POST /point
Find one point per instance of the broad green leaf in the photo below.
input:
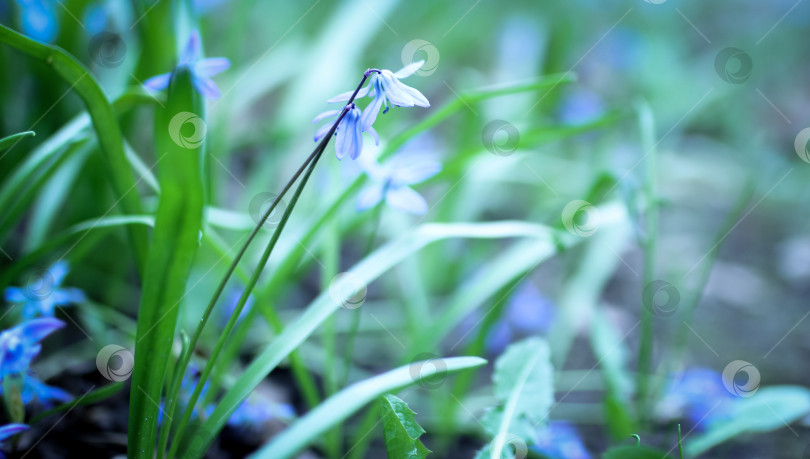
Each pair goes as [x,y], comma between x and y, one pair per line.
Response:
[369,269]
[635,452]
[400,429]
[770,408]
[174,246]
[6,142]
[348,401]
[104,121]
[524,384]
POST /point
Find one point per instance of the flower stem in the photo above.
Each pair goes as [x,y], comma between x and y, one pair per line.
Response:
[309,165]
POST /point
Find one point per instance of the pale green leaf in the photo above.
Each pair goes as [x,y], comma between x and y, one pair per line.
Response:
[401,431]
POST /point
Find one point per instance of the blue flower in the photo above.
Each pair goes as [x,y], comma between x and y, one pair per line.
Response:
[255,411]
[385,89]
[40,297]
[528,312]
[201,69]
[8,431]
[390,182]
[18,347]
[39,19]
[560,440]
[698,395]
[349,134]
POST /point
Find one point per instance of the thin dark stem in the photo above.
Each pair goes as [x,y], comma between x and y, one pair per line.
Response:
[310,163]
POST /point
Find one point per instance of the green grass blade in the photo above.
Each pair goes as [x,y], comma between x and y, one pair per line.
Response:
[6,142]
[337,408]
[104,121]
[174,246]
[95,396]
[379,262]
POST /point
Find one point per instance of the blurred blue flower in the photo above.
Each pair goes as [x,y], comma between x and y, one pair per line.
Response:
[698,395]
[349,133]
[385,89]
[391,183]
[202,69]
[581,106]
[41,296]
[18,347]
[95,18]
[528,312]
[560,440]
[39,19]
[8,431]
[232,300]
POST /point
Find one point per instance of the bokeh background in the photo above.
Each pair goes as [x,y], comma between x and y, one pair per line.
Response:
[704,103]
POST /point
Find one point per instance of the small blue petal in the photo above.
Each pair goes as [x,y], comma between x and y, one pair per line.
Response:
[9,430]
[14,295]
[159,82]
[370,196]
[206,87]
[191,52]
[406,199]
[211,66]
[58,271]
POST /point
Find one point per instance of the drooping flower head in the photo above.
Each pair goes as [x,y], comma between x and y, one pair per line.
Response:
[696,395]
[41,296]
[391,182]
[385,89]
[349,133]
[201,69]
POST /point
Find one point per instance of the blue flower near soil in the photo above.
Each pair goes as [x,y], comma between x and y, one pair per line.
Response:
[8,431]
[18,348]
[528,313]
[391,182]
[696,395]
[201,69]
[39,19]
[41,296]
[560,440]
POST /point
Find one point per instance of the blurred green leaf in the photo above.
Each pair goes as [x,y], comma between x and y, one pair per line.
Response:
[341,405]
[769,409]
[524,384]
[634,452]
[6,142]
[401,431]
